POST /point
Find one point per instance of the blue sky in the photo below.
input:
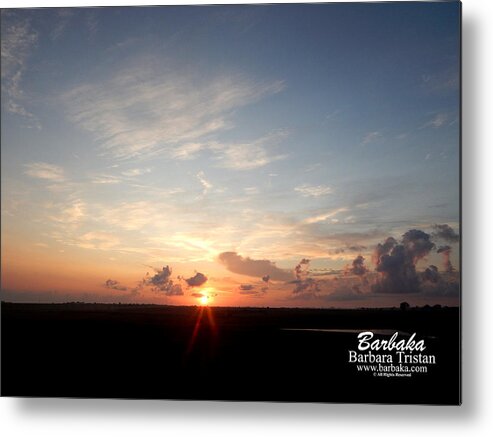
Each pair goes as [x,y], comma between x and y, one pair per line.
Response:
[154,136]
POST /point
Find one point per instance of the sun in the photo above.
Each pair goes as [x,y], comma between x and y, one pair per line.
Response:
[206,296]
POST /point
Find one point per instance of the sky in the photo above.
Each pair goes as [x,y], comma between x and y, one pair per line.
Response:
[281,155]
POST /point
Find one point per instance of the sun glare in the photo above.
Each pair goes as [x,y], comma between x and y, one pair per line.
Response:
[204,300]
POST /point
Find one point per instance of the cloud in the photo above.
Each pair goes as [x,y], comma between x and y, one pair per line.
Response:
[431,274]
[397,262]
[162,282]
[446,251]
[313,190]
[64,16]
[303,283]
[250,267]
[437,121]
[395,273]
[98,240]
[133,216]
[106,180]
[435,283]
[146,109]
[17,42]
[442,82]
[43,170]
[188,150]
[251,191]
[301,269]
[204,182]
[383,249]
[91,22]
[242,156]
[71,213]
[136,172]
[308,285]
[324,216]
[348,248]
[358,267]
[115,285]
[247,287]
[197,280]
[371,137]
[346,293]
[249,155]
[446,233]
[251,291]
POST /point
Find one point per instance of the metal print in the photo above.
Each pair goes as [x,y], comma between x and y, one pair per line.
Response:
[239,202]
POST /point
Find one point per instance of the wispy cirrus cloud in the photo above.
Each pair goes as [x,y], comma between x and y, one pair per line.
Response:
[146,110]
[43,170]
[131,215]
[438,120]
[371,137]
[106,180]
[324,216]
[133,172]
[245,155]
[307,190]
[18,39]
[441,82]
[188,150]
[64,15]
[98,240]
[204,182]
[250,155]
[70,213]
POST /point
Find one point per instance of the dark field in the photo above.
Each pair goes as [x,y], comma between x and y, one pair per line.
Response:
[138,351]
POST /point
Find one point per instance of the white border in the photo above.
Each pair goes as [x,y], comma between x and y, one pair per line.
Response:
[59,417]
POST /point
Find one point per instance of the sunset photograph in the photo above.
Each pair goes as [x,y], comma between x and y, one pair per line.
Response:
[215,202]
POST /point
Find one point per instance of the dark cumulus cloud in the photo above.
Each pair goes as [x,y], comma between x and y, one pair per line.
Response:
[112,284]
[358,267]
[417,243]
[115,285]
[265,280]
[446,233]
[303,283]
[251,267]
[247,287]
[435,283]
[162,282]
[431,274]
[301,269]
[252,291]
[383,249]
[397,262]
[197,280]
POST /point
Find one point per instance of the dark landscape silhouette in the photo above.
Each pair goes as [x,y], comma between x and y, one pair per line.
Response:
[218,353]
